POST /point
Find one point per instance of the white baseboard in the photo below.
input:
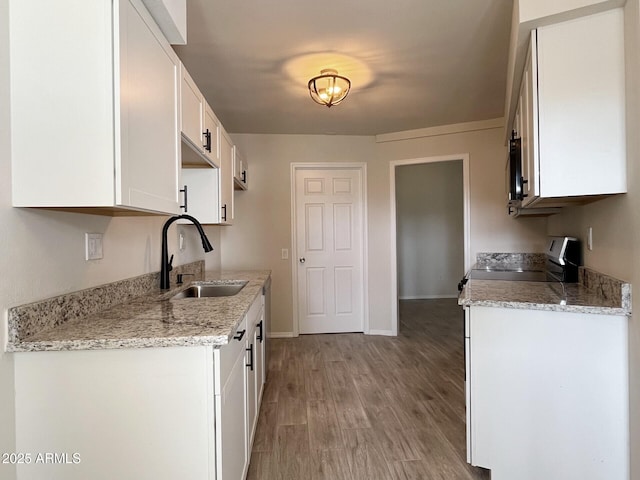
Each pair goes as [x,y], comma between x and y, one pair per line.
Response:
[427,297]
[280,335]
[386,333]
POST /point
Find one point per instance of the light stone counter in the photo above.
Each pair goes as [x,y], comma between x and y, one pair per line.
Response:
[152,319]
[551,296]
[595,293]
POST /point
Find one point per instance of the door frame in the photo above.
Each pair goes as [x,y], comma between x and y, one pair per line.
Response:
[362,168]
[393,220]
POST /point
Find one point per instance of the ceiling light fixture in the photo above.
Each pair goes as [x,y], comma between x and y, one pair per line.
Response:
[329,88]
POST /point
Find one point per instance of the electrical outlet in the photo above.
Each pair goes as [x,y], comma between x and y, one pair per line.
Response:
[285,253]
[93,246]
[590,238]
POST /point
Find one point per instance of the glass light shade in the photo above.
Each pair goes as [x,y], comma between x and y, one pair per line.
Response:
[329,88]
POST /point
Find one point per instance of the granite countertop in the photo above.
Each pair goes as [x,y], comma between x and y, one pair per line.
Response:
[594,293]
[149,320]
[551,296]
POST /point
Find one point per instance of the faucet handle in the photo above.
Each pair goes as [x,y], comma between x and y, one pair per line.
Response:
[170,266]
[180,275]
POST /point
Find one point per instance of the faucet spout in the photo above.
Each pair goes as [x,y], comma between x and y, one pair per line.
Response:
[165,263]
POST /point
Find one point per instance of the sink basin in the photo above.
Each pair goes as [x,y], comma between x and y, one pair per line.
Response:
[211,290]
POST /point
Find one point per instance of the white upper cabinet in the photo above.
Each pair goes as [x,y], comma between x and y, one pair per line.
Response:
[226,179]
[105,84]
[210,190]
[171,17]
[211,133]
[572,111]
[203,199]
[191,111]
[198,124]
[528,127]
[240,170]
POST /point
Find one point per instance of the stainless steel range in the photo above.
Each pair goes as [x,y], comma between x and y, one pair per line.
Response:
[561,265]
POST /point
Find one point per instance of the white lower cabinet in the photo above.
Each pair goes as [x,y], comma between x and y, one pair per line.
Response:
[231,449]
[238,387]
[547,394]
[252,412]
[261,367]
[144,414]
[255,367]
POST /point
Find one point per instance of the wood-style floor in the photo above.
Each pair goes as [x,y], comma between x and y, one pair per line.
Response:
[356,407]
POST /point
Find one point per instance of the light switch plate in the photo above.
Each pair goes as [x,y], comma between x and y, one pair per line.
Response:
[93,246]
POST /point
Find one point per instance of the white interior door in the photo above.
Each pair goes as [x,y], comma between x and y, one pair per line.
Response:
[329,248]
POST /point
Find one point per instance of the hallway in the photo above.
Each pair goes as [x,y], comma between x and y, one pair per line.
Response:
[356,407]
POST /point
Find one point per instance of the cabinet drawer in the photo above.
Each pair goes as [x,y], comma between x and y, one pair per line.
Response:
[226,356]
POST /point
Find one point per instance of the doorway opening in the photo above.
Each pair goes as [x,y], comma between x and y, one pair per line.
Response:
[429,228]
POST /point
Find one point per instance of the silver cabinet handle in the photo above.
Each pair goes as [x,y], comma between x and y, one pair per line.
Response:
[302,260]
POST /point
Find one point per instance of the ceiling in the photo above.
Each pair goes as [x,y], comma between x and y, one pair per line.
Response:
[412,63]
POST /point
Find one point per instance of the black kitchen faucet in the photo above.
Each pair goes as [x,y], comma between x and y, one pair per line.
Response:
[166,262]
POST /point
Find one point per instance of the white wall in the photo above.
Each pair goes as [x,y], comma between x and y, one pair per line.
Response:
[430,229]
[616,224]
[7,422]
[491,230]
[263,213]
[42,252]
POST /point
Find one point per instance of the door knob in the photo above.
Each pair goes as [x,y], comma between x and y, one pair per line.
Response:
[302,260]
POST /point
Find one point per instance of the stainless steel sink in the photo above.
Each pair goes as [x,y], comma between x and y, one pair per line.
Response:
[211,290]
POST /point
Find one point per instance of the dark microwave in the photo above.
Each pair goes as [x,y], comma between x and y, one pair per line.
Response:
[516,193]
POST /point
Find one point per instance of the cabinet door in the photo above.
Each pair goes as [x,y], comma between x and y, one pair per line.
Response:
[191,111]
[203,194]
[211,136]
[252,403]
[147,86]
[260,358]
[131,413]
[240,170]
[255,358]
[515,131]
[62,121]
[467,385]
[529,125]
[231,426]
[581,85]
[226,179]
[549,394]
